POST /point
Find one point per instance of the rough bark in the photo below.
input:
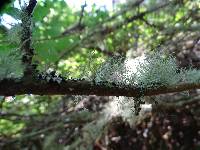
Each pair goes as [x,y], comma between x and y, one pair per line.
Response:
[9,87]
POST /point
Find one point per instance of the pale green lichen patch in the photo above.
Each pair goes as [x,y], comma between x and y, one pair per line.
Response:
[111,71]
[157,70]
[191,76]
[149,71]
[14,34]
[10,65]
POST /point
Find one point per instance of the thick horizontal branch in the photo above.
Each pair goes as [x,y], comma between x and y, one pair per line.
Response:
[83,87]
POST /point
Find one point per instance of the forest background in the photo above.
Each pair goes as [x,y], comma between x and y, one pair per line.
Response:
[80,78]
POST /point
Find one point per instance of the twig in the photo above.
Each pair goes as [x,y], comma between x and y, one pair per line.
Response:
[78,26]
[82,12]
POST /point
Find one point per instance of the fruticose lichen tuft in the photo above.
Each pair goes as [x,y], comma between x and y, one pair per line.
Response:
[14,34]
[10,65]
[146,71]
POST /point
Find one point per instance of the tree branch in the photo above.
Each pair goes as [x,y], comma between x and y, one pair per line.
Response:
[9,87]
[78,26]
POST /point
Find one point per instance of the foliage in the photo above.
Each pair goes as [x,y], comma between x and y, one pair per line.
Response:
[103,47]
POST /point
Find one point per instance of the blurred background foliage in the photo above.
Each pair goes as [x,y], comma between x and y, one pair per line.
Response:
[76,42]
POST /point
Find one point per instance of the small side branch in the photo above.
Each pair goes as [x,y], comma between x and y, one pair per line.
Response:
[78,26]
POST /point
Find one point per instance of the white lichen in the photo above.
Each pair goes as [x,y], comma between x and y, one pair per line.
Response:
[120,106]
[146,71]
[111,71]
[157,70]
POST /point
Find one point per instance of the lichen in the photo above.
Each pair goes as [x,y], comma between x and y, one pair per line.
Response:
[157,70]
[191,75]
[10,65]
[151,71]
[14,34]
[120,106]
[111,71]
[146,72]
